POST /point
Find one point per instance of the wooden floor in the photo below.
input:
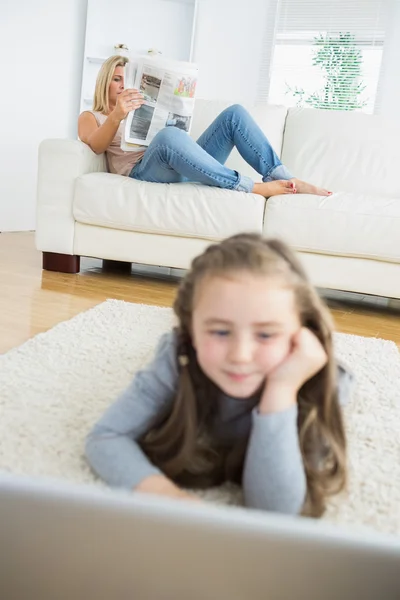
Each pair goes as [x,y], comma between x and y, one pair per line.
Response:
[32,300]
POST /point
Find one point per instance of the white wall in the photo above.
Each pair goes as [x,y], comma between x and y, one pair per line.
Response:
[389,83]
[42,45]
[228,48]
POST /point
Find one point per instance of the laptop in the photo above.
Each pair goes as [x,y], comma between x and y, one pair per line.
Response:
[66,542]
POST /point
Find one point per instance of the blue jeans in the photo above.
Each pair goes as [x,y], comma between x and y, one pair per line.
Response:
[174,157]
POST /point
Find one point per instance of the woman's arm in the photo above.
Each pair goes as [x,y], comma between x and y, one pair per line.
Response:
[97,138]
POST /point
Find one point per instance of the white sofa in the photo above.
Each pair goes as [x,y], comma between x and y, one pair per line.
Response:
[348,241]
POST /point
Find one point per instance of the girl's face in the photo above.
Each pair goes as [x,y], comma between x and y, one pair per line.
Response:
[242,328]
[116,85]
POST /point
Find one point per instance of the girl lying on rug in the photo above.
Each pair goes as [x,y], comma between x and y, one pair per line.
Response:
[245,388]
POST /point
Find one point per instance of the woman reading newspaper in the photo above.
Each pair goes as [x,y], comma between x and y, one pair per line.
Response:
[173,156]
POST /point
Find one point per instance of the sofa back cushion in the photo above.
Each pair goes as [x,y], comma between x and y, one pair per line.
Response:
[271,118]
[343,151]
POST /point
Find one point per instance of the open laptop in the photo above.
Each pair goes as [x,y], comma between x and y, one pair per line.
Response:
[65,542]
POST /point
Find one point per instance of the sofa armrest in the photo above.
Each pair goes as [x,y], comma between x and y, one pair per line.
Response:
[60,163]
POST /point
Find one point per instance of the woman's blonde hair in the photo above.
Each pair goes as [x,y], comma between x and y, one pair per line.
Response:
[178,442]
[101,99]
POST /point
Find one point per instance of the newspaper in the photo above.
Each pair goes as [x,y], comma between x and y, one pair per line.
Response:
[169,89]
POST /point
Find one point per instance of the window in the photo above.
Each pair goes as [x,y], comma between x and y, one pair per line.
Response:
[325,54]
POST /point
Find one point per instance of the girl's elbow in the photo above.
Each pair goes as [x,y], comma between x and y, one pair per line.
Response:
[285,504]
[293,509]
[290,509]
[90,442]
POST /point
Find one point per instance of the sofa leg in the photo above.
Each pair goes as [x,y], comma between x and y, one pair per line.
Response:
[116,266]
[63,263]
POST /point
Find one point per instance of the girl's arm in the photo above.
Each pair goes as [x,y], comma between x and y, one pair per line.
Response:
[274,478]
[112,448]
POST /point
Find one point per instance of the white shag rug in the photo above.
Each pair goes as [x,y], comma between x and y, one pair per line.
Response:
[56,385]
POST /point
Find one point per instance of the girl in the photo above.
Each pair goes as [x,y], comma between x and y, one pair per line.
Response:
[173,156]
[245,388]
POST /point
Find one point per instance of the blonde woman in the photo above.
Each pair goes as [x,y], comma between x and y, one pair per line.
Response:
[173,156]
[246,388]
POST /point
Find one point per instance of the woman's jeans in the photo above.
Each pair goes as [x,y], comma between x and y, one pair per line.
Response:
[174,157]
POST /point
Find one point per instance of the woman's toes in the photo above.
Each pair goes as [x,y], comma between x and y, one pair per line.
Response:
[289,186]
[287,189]
[303,187]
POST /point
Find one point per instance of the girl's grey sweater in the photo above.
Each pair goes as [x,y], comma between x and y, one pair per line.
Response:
[273,476]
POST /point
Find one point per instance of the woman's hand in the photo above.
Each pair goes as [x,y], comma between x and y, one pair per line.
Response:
[305,359]
[127,100]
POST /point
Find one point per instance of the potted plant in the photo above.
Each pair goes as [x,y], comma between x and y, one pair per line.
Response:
[121,50]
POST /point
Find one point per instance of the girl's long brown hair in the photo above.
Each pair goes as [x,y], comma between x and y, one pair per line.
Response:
[179,444]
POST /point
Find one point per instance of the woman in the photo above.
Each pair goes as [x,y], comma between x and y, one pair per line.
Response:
[173,156]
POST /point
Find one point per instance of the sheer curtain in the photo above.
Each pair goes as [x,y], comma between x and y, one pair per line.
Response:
[325,54]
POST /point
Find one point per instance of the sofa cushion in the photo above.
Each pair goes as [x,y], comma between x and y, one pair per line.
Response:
[343,151]
[270,118]
[343,224]
[179,209]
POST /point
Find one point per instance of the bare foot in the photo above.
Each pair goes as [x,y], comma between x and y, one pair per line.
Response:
[302,187]
[274,188]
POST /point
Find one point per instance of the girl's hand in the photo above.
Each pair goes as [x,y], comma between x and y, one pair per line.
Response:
[306,358]
[127,100]
[188,496]
[162,486]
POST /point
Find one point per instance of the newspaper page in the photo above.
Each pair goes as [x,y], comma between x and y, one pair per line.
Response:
[169,89]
